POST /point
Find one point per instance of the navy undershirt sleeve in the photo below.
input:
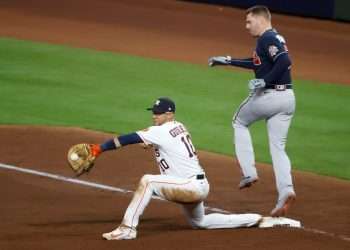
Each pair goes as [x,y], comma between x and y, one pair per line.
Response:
[108,145]
[123,139]
[129,139]
[280,65]
[246,63]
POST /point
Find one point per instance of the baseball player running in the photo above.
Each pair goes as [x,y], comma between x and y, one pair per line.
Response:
[271,98]
[182,180]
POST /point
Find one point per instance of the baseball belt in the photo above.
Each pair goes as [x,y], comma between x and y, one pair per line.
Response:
[279,87]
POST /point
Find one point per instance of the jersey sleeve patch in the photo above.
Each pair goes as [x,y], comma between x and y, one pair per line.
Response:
[273,50]
[274,45]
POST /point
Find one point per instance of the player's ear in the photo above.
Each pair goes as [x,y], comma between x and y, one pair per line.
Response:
[170,115]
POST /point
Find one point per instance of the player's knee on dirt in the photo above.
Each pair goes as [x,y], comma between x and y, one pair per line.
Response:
[197,224]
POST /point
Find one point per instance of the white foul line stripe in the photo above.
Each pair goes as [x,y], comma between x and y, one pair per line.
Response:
[84,183]
[120,190]
[63,178]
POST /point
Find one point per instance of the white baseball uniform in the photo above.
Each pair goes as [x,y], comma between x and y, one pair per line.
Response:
[182,180]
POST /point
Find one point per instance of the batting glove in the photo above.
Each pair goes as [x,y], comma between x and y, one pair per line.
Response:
[95,149]
[219,60]
[256,84]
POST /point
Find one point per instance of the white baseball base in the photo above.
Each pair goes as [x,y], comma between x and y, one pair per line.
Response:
[268,222]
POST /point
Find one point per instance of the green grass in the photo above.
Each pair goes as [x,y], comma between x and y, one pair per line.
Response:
[56,85]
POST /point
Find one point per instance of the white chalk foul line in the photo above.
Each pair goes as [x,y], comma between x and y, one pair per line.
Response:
[120,190]
[84,183]
[66,179]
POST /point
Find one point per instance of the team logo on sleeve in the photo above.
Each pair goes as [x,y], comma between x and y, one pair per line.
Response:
[273,50]
[281,38]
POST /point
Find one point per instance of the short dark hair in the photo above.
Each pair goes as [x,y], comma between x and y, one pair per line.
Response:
[260,10]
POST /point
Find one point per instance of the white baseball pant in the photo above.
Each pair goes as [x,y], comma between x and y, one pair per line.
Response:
[188,192]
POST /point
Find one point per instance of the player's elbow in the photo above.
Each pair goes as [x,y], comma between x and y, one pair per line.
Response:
[283,61]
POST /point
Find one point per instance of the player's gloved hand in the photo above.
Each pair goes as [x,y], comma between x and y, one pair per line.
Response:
[81,157]
[219,60]
[256,84]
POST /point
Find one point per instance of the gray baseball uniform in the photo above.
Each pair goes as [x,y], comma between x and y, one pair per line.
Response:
[271,99]
[274,103]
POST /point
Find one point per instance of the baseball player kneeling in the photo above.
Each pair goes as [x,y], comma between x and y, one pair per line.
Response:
[182,179]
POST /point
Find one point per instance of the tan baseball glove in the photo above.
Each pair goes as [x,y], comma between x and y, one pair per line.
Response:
[81,157]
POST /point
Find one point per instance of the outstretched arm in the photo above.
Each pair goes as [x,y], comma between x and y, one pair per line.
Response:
[119,141]
[246,63]
[81,157]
